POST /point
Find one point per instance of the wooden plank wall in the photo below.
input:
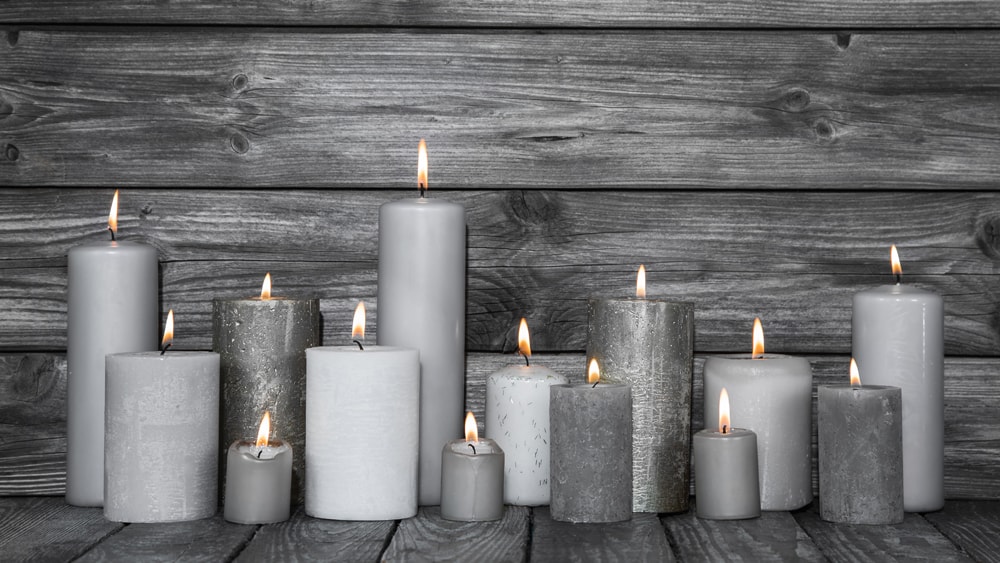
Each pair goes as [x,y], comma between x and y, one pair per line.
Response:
[758,157]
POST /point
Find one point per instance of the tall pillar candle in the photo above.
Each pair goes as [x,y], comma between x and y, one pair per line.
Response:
[258,479]
[112,307]
[517,418]
[649,344]
[898,340]
[472,477]
[726,481]
[772,396]
[262,347]
[591,451]
[421,304]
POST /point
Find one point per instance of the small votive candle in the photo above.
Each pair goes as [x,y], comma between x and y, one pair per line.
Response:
[726,485]
[258,479]
[472,477]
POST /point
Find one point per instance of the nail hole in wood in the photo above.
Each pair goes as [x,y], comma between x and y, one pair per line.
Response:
[239,143]
[11,153]
[240,81]
[12,37]
[843,40]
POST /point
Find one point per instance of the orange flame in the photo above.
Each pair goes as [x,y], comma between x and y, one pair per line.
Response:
[113,216]
[855,375]
[422,165]
[471,431]
[640,282]
[758,339]
[265,290]
[725,426]
[593,371]
[897,268]
[523,339]
[168,330]
[265,430]
[358,326]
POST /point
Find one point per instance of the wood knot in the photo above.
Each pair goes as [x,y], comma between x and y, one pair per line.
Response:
[12,37]
[824,129]
[239,143]
[843,40]
[988,236]
[36,378]
[11,153]
[532,208]
[240,81]
[796,99]
[6,109]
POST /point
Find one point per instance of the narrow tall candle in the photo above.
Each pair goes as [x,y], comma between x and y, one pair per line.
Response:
[258,479]
[472,477]
[725,466]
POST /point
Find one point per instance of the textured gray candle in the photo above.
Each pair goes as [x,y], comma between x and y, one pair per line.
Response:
[258,482]
[262,345]
[591,432]
[648,344]
[860,454]
[725,475]
[472,482]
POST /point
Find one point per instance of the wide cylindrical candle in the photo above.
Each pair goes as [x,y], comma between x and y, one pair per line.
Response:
[725,474]
[648,344]
[112,307]
[472,480]
[258,482]
[362,422]
[162,436]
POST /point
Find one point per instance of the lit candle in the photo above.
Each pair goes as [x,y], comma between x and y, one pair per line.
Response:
[421,304]
[262,347]
[259,479]
[362,413]
[162,435]
[649,344]
[898,340]
[112,306]
[472,477]
[860,453]
[591,450]
[725,466]
[772,396]
[517,418]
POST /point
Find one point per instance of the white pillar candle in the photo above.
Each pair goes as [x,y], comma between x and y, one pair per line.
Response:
[111,307]
[517,419]
[898,340]
[772,396]
[258,479]
[421,304]
[472,477]
[726,485]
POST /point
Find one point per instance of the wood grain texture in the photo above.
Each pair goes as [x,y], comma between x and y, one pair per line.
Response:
[640,539]
[32,424]
[521,109]
[974,526]
[784,256]
[305,539]
[775,536]
[47,529]
[428,537]
[209,540]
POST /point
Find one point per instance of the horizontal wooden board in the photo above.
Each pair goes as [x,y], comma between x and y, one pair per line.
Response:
[639,539]
[49,530]
[972,525]
[199,541]
[775,536]
[306,539]
[522,109]
[428,537]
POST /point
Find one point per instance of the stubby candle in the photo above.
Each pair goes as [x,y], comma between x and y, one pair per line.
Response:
[772,396]
[860,453]
[112,307]
[421,304]
[472,477]
[258,479]
[591,450]
[161,440]
[649,344]
[517,418]
[262,347]
[362,430]
[898,340]
[725,467]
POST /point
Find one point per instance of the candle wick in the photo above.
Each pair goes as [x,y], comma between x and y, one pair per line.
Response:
[594,386]
[164,350]
[359,344]
[899,278]
[422,190]
[260,452]
[527,362]
[112,231]
[473,448]
[724,428]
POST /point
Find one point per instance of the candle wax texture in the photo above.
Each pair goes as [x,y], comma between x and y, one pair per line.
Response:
[860,454]
[472,483]
[771,396]
[517,419]
[898,340]
[362,422]
[112,307]
[421,304]
[258,487]
[591,452]
[726,483]
[262,348]
[161,444]
[649,344]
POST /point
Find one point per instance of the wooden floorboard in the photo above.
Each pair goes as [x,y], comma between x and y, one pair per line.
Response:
[974,526]
[46,529]
[428,537]
[640,539]
[306,539]
[209,541]
[775,536]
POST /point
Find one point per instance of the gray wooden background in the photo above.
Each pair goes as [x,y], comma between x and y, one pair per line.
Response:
[758,157]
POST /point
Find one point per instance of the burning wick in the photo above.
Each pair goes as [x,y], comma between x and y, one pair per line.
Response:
[168,333]
[725,429]
[260,452]
[422,167]
[113,216]
[593,373]
[473,449]
[897,269]
[358,325]
[358,342]
[524,341]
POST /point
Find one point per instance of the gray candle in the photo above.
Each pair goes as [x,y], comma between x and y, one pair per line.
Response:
[860,453]
[725,468]
[591,454]
[258,482]
[262,345]
[472,477]
[648,344]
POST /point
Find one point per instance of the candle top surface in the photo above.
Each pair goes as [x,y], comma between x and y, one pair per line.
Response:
[110,246]
[600,384]
[862,387]
[484,446]
[749,357]
[713,433]
[248,448]
[901,290]
[528,373]
[353,349]
[264,302]
[175,354]
[426,204]
[647,299]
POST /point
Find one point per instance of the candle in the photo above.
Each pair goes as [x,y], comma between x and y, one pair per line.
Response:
[772,396]
[421,304]
[361,430]
[162,435]
[258,479]
[112,306]
[591,450]
[262,347]
[898,339]
[472,477]
[648,344]
[725,466]
[517,418]
[860,453]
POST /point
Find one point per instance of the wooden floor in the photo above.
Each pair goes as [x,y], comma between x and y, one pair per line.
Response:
[46,529]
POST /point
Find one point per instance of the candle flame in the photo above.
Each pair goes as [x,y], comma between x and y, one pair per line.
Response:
[113,215]
[358,326]
[265,289]
[422,165]
[725,426]
[265,429]
[523,339]
[471,431]
[640,282]
[897,268]
[855,375]
[758,339]
[593,372]
[168,330]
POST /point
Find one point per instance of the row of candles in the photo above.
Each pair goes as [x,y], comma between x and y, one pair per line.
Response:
[144,427]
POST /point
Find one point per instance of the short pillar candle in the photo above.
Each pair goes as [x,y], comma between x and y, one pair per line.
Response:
[472,477]
[258,479]
[725,466]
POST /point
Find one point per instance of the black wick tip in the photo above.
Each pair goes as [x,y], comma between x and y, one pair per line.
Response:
[112,231]
[899,278]
[358,342]
[724,427]
[473,449]
[527,362]
[595,384]
[164,350]
[260,452]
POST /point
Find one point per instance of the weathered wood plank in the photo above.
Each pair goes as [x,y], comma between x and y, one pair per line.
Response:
[639,539]
[327,108]
[775,536]
[47,529]
[428,537]
[972,525]
[209,540]
[302,538]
